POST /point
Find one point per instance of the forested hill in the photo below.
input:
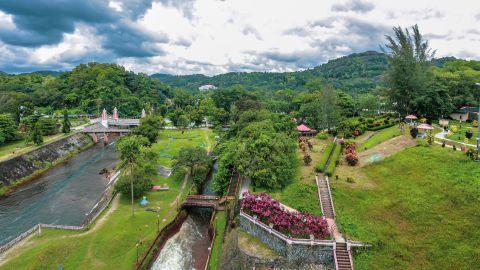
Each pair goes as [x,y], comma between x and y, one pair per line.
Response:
[353,73]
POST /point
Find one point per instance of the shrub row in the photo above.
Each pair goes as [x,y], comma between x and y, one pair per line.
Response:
[333,160]
[323,160]
[381,127]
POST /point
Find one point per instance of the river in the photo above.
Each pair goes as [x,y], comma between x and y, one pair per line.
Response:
[62,195]
[189,248]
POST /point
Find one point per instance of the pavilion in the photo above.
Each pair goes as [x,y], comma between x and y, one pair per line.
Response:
[423,129]
[410,119]
[305,130]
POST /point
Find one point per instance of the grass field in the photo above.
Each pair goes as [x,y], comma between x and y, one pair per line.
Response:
[113,244]
[170,142]
[419,209]
[220,224]
[301,193]
[20,147]
[379,137]
[459,136]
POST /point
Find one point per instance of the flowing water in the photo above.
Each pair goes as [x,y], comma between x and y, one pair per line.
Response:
[62,195]
[189,248]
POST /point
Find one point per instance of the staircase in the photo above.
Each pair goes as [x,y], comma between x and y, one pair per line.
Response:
[325,197]
[342,257]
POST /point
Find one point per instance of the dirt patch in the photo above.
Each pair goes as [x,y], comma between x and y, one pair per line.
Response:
[384,150]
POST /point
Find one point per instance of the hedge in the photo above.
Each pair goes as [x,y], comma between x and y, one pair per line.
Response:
[333,160]
[381,127]
[323,160]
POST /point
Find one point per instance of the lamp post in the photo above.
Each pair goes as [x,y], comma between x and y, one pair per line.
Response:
[478,125]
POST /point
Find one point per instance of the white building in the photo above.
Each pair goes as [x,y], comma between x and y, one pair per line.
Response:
[207,87]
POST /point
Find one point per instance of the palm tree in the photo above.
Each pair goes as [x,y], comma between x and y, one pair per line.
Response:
[130,151]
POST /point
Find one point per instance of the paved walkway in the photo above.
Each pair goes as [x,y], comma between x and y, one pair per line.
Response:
[442,136]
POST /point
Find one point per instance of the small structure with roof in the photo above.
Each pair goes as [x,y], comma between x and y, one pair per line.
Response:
[305,130]
[423,130]
[411,119]
[465,113]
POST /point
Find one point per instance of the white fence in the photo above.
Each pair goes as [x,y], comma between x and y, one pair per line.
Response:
[98,208]
[288,240]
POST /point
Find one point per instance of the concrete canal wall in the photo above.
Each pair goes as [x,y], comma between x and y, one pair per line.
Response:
[22,166]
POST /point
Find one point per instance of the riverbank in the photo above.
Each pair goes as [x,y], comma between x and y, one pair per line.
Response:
[25,168]
[113,245]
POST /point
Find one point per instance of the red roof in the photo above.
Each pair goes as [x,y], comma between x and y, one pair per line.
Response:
[303,128]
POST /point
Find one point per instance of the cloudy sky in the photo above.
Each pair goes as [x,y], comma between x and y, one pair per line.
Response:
[212,37]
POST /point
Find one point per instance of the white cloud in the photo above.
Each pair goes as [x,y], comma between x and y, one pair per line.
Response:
[211,36]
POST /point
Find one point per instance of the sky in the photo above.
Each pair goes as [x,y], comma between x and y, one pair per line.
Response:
[212,37]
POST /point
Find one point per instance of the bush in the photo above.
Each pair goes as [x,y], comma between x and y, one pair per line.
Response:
[351,154]
[295,224]
[414,132]
[322,136]
[380,127]
[468,134]
[333,160]
[307,159]
[472,153]
[323,160]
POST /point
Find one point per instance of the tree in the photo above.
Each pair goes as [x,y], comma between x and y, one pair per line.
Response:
[409,71]
[35,134]
[7,128]
[140,180]
[66,123]
[48,126]
[130,148]
[149,127]
[190,158]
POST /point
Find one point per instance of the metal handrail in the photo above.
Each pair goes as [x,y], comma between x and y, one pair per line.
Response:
[330,195]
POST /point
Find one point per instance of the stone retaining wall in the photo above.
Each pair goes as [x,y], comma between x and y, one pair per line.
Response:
[24,165]
[322,254]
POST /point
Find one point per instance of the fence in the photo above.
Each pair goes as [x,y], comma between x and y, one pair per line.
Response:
[101,204]
[294,249]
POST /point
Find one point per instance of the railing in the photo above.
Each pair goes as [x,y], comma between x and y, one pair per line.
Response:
[319,194]
[288,240]
[101,204]
[349,250]
[335,254]
[330,195]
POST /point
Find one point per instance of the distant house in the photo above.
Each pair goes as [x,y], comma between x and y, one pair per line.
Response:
[207,87]
[465,113]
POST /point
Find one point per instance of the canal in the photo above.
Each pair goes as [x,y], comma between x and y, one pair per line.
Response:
[189,248]
[62,195]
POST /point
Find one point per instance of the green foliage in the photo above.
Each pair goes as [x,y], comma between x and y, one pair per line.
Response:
[409,68]
[149,127]
[66,125]
[35,134]
[320,167]
[333,160]
[8,128]
[195,160]
[48,125]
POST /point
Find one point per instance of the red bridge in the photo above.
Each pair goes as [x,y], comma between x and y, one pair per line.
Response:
[201,201]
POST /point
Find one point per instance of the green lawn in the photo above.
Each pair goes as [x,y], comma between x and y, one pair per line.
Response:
[170,142]
[20,147]
[112,246]
[379,137]
[220,224]
[459,136]
[420,211]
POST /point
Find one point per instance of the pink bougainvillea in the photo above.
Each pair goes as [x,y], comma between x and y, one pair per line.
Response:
[351,154]
[295,224]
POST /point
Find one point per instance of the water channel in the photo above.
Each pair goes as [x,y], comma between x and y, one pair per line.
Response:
[62,195]
[189,248]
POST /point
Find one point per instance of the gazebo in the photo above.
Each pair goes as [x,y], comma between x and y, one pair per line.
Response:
[423,129]
[304,130]
[410,119]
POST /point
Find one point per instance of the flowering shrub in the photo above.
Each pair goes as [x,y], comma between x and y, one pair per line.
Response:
[351,154]
[295,224]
